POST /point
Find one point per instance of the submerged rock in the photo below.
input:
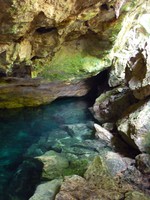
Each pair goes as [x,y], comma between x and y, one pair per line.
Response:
[80,131]
[24,181]
[53,165]
[47,190]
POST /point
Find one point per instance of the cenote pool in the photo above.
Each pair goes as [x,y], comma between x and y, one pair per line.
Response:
[30,132]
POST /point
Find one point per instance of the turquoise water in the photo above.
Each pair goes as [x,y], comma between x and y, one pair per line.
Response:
[19,130]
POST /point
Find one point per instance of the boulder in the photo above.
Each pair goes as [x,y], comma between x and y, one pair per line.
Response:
[106,105]
[137,73]
[53,165]
[98,174]
[135,126]
[47,190]
[143,163]
[96,184]
[103,134]
[73,188]
[115,163]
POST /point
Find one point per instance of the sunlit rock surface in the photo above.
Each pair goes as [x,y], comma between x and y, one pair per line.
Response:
[131,53]
[59,39]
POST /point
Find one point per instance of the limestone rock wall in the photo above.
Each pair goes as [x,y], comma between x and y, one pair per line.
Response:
[131,53]
[58,39]
[127,101]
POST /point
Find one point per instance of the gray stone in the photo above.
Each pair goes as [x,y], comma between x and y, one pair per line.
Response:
[115,163]
[47,190]
[143,163]
[54,165]
[135,127]
[102,134]
[106,105]
[98,174]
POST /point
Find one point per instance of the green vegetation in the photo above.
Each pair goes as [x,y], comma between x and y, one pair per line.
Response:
[69,65]
[77,166]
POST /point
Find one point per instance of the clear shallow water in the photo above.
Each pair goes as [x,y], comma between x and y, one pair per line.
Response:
[20,128]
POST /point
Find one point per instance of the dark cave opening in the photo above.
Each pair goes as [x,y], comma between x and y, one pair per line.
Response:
[43,30]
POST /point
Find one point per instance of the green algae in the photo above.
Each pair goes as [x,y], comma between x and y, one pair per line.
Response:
[77,166]
[68,66]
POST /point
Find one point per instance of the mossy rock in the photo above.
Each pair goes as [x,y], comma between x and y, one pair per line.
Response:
[76,166]
[68,64]
[98,174]
[57,165]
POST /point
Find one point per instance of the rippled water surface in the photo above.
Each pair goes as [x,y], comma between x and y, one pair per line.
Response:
[21,128]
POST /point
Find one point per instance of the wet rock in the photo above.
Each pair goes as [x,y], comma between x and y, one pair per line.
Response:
[47,190]
[143,163]
[50,141]
[135,127]
[99,145]
[53,165]
[80,131]
[106,105]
